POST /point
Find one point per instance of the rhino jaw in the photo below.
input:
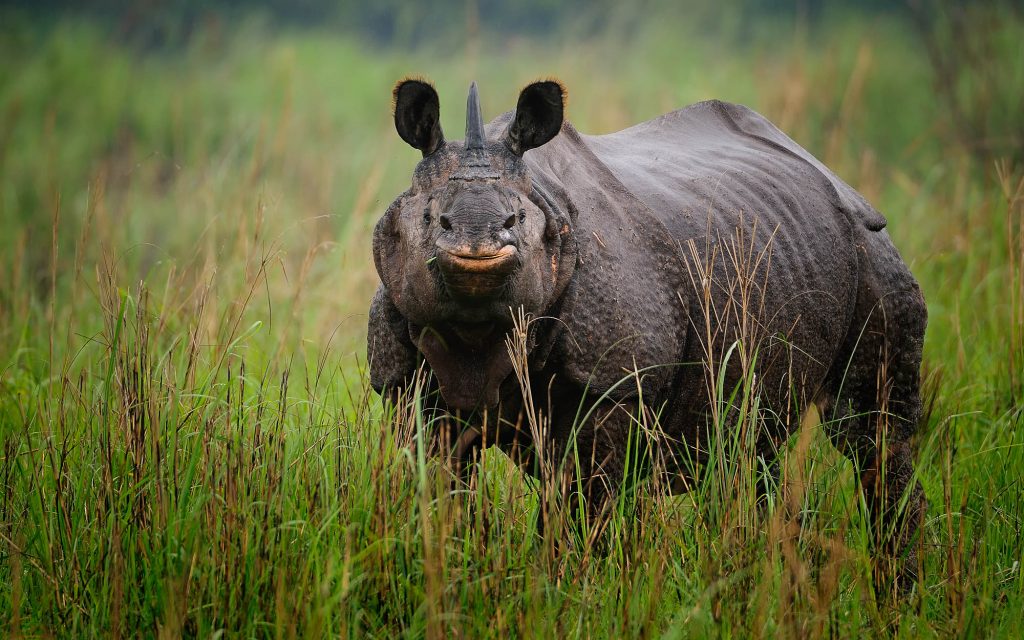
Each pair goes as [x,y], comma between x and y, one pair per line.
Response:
[477,275]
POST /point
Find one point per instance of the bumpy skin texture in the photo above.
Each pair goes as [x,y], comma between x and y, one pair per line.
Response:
[655,249]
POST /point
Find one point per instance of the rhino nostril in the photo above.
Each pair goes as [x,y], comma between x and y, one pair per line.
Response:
[510,221]
[446,224]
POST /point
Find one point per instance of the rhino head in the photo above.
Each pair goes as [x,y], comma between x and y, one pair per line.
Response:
[475,238]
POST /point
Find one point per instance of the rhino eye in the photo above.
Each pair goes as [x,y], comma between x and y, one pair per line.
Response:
[522,215]
[426,215]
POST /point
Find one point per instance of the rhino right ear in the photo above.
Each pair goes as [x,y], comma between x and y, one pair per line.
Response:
[538,117]
[417,115]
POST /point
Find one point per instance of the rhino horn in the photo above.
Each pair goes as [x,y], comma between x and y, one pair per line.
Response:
[474,121]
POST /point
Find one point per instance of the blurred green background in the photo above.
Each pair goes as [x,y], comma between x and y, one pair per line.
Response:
[172,126]
[187,194]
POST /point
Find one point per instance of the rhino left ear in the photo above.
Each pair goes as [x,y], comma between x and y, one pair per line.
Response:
[538,117]
[417,115]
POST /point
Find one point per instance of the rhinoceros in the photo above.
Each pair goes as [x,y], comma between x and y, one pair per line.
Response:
[657,253]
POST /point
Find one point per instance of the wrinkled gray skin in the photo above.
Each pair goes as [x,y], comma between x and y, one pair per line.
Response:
[661,244]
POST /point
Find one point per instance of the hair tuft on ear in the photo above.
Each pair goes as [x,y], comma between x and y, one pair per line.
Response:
[561,88]
[398,85]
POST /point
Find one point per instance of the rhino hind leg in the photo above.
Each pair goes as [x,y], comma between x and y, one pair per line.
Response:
[870,409]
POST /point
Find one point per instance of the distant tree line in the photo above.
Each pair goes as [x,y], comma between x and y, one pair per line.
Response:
[169,23]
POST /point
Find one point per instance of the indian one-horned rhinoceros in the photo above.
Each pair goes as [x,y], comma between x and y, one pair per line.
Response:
[672,249]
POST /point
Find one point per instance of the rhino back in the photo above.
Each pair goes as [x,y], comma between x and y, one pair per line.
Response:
[708,148]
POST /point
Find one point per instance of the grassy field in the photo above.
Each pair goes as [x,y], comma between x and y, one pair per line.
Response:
[188,444]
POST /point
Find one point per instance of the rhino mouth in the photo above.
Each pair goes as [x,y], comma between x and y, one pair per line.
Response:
[477,275]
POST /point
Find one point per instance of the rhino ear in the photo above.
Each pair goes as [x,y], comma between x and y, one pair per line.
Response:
[538,117]
[417,115]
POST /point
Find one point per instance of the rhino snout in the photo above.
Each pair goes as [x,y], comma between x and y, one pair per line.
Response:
[477,274]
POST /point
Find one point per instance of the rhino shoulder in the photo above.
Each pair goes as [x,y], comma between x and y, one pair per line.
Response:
[618,323]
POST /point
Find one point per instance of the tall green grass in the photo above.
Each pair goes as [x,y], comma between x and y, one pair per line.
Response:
[187,439]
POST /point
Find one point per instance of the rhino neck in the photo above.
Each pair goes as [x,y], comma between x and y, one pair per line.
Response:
[559,237]
[469,361]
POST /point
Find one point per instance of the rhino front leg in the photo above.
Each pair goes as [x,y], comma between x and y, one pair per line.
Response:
[462,441]
[391,354]
[592,462]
